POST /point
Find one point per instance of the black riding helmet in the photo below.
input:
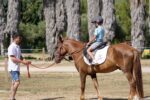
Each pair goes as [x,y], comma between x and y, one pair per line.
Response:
[98,20]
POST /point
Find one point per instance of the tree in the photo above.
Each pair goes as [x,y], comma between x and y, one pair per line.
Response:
[54,13]
[94,9]
[73,19]
[12,17]
[123,21]
[32,24]
[2,26]
[147,23]
[33,34]
[109,23]
[31,11]
[137,20]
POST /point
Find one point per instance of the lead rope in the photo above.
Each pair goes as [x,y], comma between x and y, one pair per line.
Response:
[28,71]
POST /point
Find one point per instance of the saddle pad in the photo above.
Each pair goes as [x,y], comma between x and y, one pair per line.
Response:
[100,56]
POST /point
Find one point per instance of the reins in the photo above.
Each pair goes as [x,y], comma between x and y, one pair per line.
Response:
[74,52]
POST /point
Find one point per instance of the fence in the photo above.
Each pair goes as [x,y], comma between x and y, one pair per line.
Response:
[38,54]
[34,54]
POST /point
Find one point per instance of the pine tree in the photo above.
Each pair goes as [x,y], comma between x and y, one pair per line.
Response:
[54,13]
[137,20]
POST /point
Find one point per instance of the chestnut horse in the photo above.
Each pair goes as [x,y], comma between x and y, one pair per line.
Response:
[120,56]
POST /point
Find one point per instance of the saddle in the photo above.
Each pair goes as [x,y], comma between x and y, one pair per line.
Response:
[101,46]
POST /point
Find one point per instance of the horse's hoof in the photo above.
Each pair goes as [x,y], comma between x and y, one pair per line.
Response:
[100,98]
[81,98]
[136,98]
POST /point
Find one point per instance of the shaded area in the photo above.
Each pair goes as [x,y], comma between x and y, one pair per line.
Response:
[56,98]
[108,99]
[145,98]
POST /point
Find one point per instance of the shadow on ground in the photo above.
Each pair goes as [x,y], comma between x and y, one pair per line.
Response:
[108,99]
[59,98]
[145,98]
[56,98]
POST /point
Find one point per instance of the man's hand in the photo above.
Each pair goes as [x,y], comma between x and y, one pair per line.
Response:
[26,62]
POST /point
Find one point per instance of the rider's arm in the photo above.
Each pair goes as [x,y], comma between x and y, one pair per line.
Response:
[92,40]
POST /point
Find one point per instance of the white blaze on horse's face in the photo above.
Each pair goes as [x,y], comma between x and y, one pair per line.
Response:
[60,53]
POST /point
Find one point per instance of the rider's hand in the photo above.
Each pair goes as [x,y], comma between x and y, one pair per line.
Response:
[88,44]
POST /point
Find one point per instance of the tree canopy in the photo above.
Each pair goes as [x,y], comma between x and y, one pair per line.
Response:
[32,22]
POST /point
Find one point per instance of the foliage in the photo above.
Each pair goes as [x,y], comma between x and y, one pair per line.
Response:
[83,6]
[32,25]
[31,11]
[33,34]
[123,28]
[5,7]
[147,28]
[146,56]
[84,21]
[84,27]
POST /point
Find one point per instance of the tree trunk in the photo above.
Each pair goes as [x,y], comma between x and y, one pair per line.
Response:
[73,19]
[12,16]
[2,22]
[94,9]
[108,14]
[2,26]
[137,18]
[54,12]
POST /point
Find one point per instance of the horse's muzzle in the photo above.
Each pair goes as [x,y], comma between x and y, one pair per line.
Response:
[57,60]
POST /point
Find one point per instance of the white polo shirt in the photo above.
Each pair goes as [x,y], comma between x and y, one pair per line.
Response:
[14,50]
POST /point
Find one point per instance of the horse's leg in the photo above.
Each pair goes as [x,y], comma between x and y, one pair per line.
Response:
[132,85]
[83,81]
[94,78]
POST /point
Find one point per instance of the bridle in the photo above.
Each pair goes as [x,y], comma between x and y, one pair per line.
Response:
[70,54]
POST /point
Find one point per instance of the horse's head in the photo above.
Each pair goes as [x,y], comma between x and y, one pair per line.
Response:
[60,51]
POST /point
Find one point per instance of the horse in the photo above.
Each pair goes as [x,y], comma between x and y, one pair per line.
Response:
[119,56]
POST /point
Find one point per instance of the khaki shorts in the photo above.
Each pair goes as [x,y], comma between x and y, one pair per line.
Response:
[95,45]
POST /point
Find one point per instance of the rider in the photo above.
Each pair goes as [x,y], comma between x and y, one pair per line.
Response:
[97,39]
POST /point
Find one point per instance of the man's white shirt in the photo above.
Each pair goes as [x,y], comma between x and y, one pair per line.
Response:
[14,50]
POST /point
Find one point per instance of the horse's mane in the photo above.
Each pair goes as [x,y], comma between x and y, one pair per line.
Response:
[128,43]
[71,39]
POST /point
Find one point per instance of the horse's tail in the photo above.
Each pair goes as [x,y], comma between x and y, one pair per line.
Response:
[137,74]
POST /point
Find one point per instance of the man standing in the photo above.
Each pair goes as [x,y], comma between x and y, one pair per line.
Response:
[14,60]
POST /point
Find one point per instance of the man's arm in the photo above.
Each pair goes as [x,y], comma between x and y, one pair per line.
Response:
[14,59]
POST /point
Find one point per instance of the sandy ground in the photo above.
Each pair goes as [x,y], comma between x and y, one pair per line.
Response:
[60,68]
[64,68]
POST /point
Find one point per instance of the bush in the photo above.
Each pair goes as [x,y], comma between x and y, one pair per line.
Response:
[146,56]
[29,58]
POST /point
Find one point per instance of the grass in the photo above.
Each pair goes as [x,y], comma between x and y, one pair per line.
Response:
[66,86]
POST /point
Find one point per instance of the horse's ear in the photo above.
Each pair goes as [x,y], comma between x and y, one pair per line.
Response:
[60,39]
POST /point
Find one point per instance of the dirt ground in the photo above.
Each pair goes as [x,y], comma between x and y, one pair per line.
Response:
[61,82]
[66,86]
